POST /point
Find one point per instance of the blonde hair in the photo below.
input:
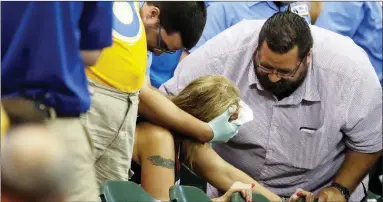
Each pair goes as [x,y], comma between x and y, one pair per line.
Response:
[205,98]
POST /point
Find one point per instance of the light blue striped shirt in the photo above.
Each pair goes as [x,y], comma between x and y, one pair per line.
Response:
[340,99]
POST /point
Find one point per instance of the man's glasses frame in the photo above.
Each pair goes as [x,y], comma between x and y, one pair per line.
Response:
[160,47]
[276,72]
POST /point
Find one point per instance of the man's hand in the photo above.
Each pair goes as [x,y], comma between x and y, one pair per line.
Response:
[330,194]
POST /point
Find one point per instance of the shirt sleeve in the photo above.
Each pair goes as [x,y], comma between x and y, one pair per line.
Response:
[96,25]
[216,22]
[363,126]
[341,17]
[195,65]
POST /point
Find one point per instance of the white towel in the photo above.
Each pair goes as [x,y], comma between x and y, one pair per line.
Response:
[245,114]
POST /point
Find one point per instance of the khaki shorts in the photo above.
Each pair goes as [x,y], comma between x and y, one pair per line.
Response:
[111,124]
[83,186]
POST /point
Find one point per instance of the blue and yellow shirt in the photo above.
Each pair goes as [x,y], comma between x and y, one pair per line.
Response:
[123,65]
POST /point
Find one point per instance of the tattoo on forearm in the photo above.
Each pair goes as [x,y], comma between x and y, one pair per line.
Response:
[159,161]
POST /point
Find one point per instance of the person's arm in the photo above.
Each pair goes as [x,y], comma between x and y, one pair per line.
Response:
[155,107]
[222,175]
[167,114]
[154,151]
[225,177]
[159,110]
[350,175]
[363,135]
[96,30]
[90,57]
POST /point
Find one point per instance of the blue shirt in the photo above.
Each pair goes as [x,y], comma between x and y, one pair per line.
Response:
[163,67]
[149,63]
[220,16]
[361,21]
[40,49]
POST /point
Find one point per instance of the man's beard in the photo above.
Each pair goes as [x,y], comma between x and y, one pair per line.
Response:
[283,88]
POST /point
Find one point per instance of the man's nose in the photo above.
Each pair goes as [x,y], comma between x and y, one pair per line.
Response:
[274,78]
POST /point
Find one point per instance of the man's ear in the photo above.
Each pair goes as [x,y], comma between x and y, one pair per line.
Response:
[152,16]
[309,56]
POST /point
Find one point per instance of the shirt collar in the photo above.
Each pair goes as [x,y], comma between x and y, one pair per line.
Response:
[311,92]
[307,91]
[252,3]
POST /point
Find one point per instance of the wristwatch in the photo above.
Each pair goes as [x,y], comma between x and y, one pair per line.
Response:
[343,190]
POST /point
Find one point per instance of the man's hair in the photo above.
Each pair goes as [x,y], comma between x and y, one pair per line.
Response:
[283,31]
[186,17]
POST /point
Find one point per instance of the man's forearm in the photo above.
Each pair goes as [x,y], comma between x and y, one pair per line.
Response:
[155,107]
[354,168]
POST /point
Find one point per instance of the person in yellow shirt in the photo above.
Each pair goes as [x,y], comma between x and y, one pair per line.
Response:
[4,122]
[119,90]
[122,66]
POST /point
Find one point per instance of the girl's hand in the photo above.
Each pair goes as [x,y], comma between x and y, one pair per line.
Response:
[244,189]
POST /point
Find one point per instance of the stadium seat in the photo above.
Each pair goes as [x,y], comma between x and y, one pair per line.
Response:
[372,197]
[179,193]
[116,191]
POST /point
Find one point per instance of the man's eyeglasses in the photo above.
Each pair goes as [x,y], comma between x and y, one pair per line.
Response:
[160,44]
[279,73]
